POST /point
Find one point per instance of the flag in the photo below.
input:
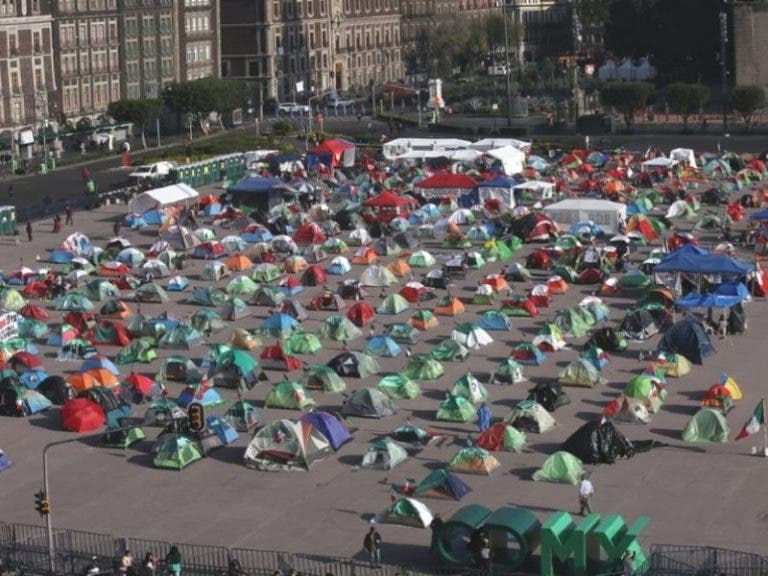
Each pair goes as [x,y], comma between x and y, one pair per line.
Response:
[752,425]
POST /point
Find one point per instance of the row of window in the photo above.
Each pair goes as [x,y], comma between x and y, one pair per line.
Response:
[199,52]
[368,39]
[197,23]
[14,80]
[83,94]
[13,42]
[66,6]
[95,32]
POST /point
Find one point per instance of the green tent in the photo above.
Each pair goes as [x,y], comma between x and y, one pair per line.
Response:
[633,279]
[31,328]
[339,328]
[508,372]
[214,271]
[72,302]
[574,321]
[495,250]
[100,289]
[393,304]
[707,425]
[484,295]
[470,388]
[302,343]
[449,350]
[266,273]
[407,512]
[580,372]
[180,337]
[474,460]
[123,438]
[402,333]
[268,296]
[241,286]
[322,377]
[206,296]
[176,452]
[151,293]
[178,369]
[565,272]
[398,387]
[423,367]
[643,387]
[384,454]
[455,409]
[369,403]
[234,309]
[560,467]
[502,436]
[139,350]
[288,394]
[236,368]
[206,321]
[421,259]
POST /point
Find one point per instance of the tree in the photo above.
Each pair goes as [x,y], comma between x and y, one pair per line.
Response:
[686,99]
[745,100]
[626,97]
[138,112]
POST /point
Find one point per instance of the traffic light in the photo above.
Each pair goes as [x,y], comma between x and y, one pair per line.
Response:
[196,415]
[41,503]
[46,506]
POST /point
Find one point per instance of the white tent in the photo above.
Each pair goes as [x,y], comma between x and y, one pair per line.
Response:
[399,146]
[539,188]
[512,159]
[683,155]
[604,213]
[490,143]
[645,70]
[415,156]
[161,197]
[660,162]
[607,71]
[626,70]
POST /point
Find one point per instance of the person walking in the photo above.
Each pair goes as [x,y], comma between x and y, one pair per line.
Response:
[586,491]
[372,545]
[68,215]
[173,561]
[29,230]
[436,525]
[483,417]
[149,565]
[485,555]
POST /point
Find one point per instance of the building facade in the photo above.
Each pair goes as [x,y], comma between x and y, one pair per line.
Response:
[27,80]
[198,38]
[289,49]
[749,42]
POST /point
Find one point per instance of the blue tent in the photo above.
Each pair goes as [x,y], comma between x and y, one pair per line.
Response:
[177,284]
[330,427]
[494,320]
[5,462]
[155,217]
[256,190]
[134,221]
[694,260]
[279,325]
[208,398]
[687,337]
[99,361]
[32,378]
[222,428]
[258,235]
[760,214]
[727,295]
[382,346]
[338,267]
[34,402]
[212,209]
[61,256]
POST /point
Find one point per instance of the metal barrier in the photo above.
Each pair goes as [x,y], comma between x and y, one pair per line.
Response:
[672,560]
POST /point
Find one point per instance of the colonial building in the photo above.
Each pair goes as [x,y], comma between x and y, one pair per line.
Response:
[27,80]
[290,48]
[748,40]
[198,38]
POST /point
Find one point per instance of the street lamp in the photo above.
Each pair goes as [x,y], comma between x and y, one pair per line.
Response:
[507,6]
[42,105]
[335,27]
[723,18]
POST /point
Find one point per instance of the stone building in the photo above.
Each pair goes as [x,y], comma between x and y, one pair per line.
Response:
[749,41]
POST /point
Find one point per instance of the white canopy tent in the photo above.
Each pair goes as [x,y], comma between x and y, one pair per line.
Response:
[400,146]
[539,188]
[660,162]
[416,156]
[161,197]
[490,143]
[604,213]
[512,159]
[683,155]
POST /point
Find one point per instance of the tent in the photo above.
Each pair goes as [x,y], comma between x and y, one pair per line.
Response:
[687,337]
[423,367]
[473,460]
[257,191]
[368,403]
[301,342]
[163,411]
[530,416]
[389,205]
[275,358]
[398,387]
[549,394]
[354,364]
[82,415]
[411,437]
[322,377]
[236,369]
[382,345]
[243,415]
[471,335]
[605,213]
[528,354]
[598,442]
[360,313]
[384,454]
[122,438]
[455,409]
[507,372]
[560,467]
[550,339]
[172,195]
[501,436]
[575,321]
[470,388]
[450,351]
[202,393]
[580,372]
[339,328]
[441,483]
[402,333]
[176,452]
[178,369]
[392,304]
[707,425]
[329,426]
[56,389]
[407,512]
[377,276]
[286,445]
[279,325]
[290,395]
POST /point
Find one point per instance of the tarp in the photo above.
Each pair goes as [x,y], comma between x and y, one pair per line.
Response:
[598,443]
[166,196]
[725,296]
[689,259]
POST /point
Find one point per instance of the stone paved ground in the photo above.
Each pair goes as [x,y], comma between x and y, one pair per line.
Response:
[694,493]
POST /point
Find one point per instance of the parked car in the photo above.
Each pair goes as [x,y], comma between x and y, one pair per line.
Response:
[292,108]
[151,175]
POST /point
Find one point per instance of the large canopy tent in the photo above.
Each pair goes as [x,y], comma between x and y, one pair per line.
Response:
[257,191]
[173,195]
[604,213]
[443,184]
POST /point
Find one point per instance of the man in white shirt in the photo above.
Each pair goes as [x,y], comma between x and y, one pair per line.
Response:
[586,490]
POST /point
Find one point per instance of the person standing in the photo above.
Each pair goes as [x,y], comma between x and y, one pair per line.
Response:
[173,561]
[126,563]
[586,491]
[485,555]
[68,213]
[149,566]
[629,563]
[436,525]
[483,417]
[372,545]
[29,230]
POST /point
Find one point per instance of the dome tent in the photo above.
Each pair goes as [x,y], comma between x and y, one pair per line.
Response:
[369,403]
[322,377]
[423,367]
[549,394]
[290,395]
[398,387]
[286,445]
[354,364]
[384,454]
[707,425]
[501,436]
[560,467]
[580,372]
[470,388]
[330,427]
[507,372]
[441,483]
[598,442]
[456,409]
[530,416]
[450,351]
[407,512]
[473,461]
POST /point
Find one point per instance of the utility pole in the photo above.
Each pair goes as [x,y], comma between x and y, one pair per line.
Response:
[723,63]
[507,7]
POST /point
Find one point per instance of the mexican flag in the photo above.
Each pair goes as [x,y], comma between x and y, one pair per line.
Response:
[754,423]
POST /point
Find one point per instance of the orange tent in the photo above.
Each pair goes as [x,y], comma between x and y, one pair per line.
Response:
[497,282]
[557,285]
[365,255]
[451,307]
[614,187]
[295,264]
[207,199]
[103,377]
[423,320]
[239,262]
[82,381]
[399,268]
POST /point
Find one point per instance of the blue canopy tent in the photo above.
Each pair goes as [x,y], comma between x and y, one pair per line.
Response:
[727,295]
[257,191]
[500,188]
[694,260]
[760,215]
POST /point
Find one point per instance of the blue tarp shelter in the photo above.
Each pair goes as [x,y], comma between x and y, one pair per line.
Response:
[687,337]
[727,295]
[257,191]
[694,260]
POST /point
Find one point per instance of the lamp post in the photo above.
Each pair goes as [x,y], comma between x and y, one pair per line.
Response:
[42,105]
[576,49]
[335,26]
[723,18]
[506,7]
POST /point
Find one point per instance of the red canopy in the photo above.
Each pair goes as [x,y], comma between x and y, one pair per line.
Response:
[335,147]
[82,415]
[388,198]
[448,180]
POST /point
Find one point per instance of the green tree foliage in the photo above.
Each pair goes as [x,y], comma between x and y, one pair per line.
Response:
[745,100]
[138,112]
[686,99]
[626,98]
[205,95]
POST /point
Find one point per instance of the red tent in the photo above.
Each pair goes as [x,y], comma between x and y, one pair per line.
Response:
[309,233]
[447,180]
[493,438]
[389,205]
[108,333]
[141,384]
[33,311]
[360,313]
[414,292]
[80,321]
[25,359]
[274,357]
[313,276]
[335,148]
[82,415]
